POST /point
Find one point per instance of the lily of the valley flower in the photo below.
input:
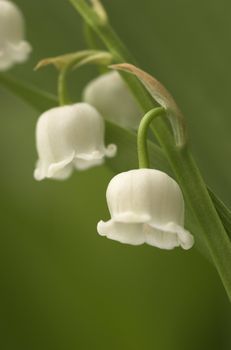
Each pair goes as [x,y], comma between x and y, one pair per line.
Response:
[146,206]
[13,48]
[70,137]
[112,98]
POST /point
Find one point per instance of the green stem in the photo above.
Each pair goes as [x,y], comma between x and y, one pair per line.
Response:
[183,165]
[89,36]
[63,94]
[93,43]
[142,146]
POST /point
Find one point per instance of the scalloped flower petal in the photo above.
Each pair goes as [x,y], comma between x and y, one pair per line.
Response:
[146,206]
[70,137]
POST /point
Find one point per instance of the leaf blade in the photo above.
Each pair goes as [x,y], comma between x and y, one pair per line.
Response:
[28,93]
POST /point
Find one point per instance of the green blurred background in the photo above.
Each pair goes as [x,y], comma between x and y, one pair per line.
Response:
[63,286]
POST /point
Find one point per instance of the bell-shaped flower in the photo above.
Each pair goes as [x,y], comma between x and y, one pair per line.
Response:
[70,137]
[13,48]
[112,98]
[146,206]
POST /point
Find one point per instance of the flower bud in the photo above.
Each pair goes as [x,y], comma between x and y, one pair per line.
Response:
[70,137]
[13,48]
[146,206]
[112,98]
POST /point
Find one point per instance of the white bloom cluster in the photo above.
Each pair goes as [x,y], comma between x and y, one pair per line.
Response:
[13,48]
[146,205]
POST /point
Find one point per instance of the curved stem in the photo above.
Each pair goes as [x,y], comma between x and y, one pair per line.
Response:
[142,146]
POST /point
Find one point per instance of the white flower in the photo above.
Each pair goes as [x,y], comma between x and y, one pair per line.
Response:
[112,98]
[70,137]
[146,206]
[13,48]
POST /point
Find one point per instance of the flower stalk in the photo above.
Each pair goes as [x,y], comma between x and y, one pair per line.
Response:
[63,95]
[142,146]
[181,160]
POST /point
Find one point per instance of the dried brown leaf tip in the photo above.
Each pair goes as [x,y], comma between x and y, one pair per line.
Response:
[162,96]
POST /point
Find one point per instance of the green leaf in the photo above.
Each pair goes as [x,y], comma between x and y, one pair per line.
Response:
[223,211]
[126,140]
[32,95]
